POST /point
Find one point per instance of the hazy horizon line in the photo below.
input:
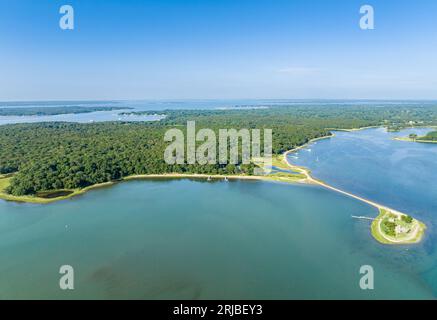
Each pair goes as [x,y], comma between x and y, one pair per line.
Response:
[222,99]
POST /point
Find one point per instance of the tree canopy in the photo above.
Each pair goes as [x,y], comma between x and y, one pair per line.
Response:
[51,156]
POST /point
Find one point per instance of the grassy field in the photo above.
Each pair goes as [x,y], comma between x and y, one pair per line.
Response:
[289,176]
[278,161]
[285,177]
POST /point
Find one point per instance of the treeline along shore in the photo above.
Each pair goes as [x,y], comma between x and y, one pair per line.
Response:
[44,157]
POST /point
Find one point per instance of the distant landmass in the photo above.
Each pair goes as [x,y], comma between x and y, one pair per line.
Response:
[51,111]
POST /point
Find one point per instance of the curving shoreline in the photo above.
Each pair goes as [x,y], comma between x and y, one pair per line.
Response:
[303,176]
[77,192]
[377,232]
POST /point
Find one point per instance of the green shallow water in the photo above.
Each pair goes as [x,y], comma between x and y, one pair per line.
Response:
[185,239]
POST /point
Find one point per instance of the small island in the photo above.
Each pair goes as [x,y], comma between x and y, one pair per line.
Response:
[47,162]
[392,227]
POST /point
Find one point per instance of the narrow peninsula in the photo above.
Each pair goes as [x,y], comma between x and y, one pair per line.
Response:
[390,227]
[431,137]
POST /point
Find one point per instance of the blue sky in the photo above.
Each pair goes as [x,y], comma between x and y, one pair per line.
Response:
[176,49]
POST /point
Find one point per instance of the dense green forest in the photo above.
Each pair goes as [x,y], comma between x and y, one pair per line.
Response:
[341,116]
[48,156]
[51,111]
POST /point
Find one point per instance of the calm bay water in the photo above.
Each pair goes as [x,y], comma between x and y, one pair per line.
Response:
[134,105]
[98,116]
[399,174]
[232,240]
